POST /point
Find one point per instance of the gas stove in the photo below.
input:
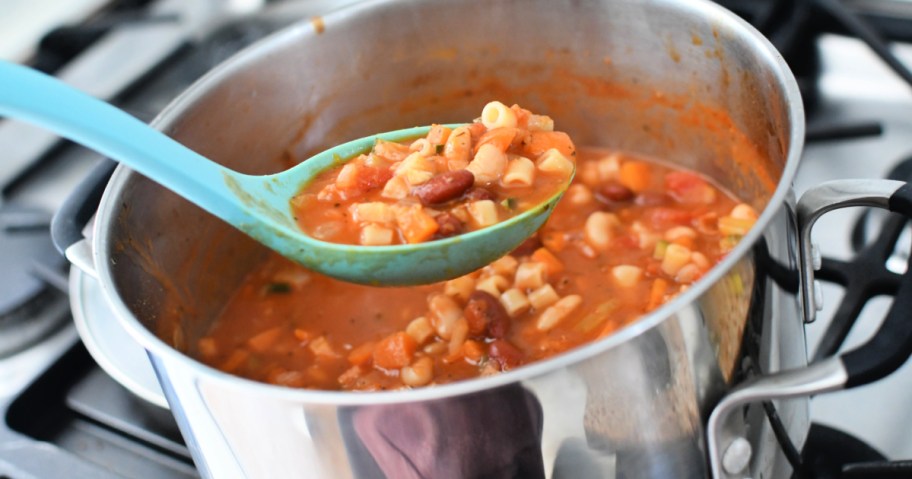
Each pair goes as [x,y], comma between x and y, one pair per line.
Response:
[65,417]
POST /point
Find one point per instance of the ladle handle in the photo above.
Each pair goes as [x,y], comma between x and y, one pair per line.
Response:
[37,98]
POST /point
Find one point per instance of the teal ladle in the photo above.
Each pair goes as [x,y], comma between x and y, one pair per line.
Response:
[257,205]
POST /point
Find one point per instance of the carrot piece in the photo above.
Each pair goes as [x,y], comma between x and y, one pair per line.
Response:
[264,340]
[538,142]
[438,135]
[395,351]
[635,175]
[500,138]
[473,351]
[546,257]
[554,241]
[416,225]
[361,355]
[657,293]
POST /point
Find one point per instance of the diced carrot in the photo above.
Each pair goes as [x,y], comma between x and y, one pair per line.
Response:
[539,142]
[362,354]
[395,351]
[500,138]
[264,340]
[554,241]
[657,293]
[473,351]
[546,257]
[438,135]
[416,225]
[636,175]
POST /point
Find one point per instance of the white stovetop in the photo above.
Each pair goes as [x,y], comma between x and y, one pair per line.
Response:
[24,22]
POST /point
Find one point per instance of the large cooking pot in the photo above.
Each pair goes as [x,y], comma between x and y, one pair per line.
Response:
[681,80]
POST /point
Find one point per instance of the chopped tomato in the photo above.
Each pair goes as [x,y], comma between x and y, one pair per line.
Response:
[689,188]
[628,241]
[661,218]
[395,351]
[362,179]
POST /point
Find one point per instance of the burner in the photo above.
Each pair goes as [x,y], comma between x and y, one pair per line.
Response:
[828,452]
[793,26]
[866,275]
[32,285]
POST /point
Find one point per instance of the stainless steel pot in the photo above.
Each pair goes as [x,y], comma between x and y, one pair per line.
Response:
[681,80]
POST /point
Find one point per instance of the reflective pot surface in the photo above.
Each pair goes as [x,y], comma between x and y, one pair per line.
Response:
[683,81]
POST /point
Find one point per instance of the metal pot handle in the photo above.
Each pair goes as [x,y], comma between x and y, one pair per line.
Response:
[77,210]
[891,346]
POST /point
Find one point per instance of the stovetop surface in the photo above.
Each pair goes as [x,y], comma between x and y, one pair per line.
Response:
[64,417]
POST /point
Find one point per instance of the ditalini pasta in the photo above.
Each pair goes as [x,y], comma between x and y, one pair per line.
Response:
[630,234]
[447,183]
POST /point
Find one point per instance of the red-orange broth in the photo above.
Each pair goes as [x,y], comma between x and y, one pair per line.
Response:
[630,234]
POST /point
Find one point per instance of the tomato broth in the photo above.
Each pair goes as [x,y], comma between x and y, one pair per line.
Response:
[630,234]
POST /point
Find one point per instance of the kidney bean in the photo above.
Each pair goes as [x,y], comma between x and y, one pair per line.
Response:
[444,187]
[486,316]
[448,225]
[479,193]
[505,354]
[528,246]
[613,192]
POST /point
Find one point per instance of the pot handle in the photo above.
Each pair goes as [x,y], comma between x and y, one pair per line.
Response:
[886,351]
[77,210]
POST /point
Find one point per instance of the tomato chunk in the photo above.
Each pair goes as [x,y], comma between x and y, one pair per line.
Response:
[689,188]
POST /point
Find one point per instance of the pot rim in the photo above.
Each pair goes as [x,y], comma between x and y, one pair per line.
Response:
[305,29]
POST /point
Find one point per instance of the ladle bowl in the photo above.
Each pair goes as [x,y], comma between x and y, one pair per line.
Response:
[258,205]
